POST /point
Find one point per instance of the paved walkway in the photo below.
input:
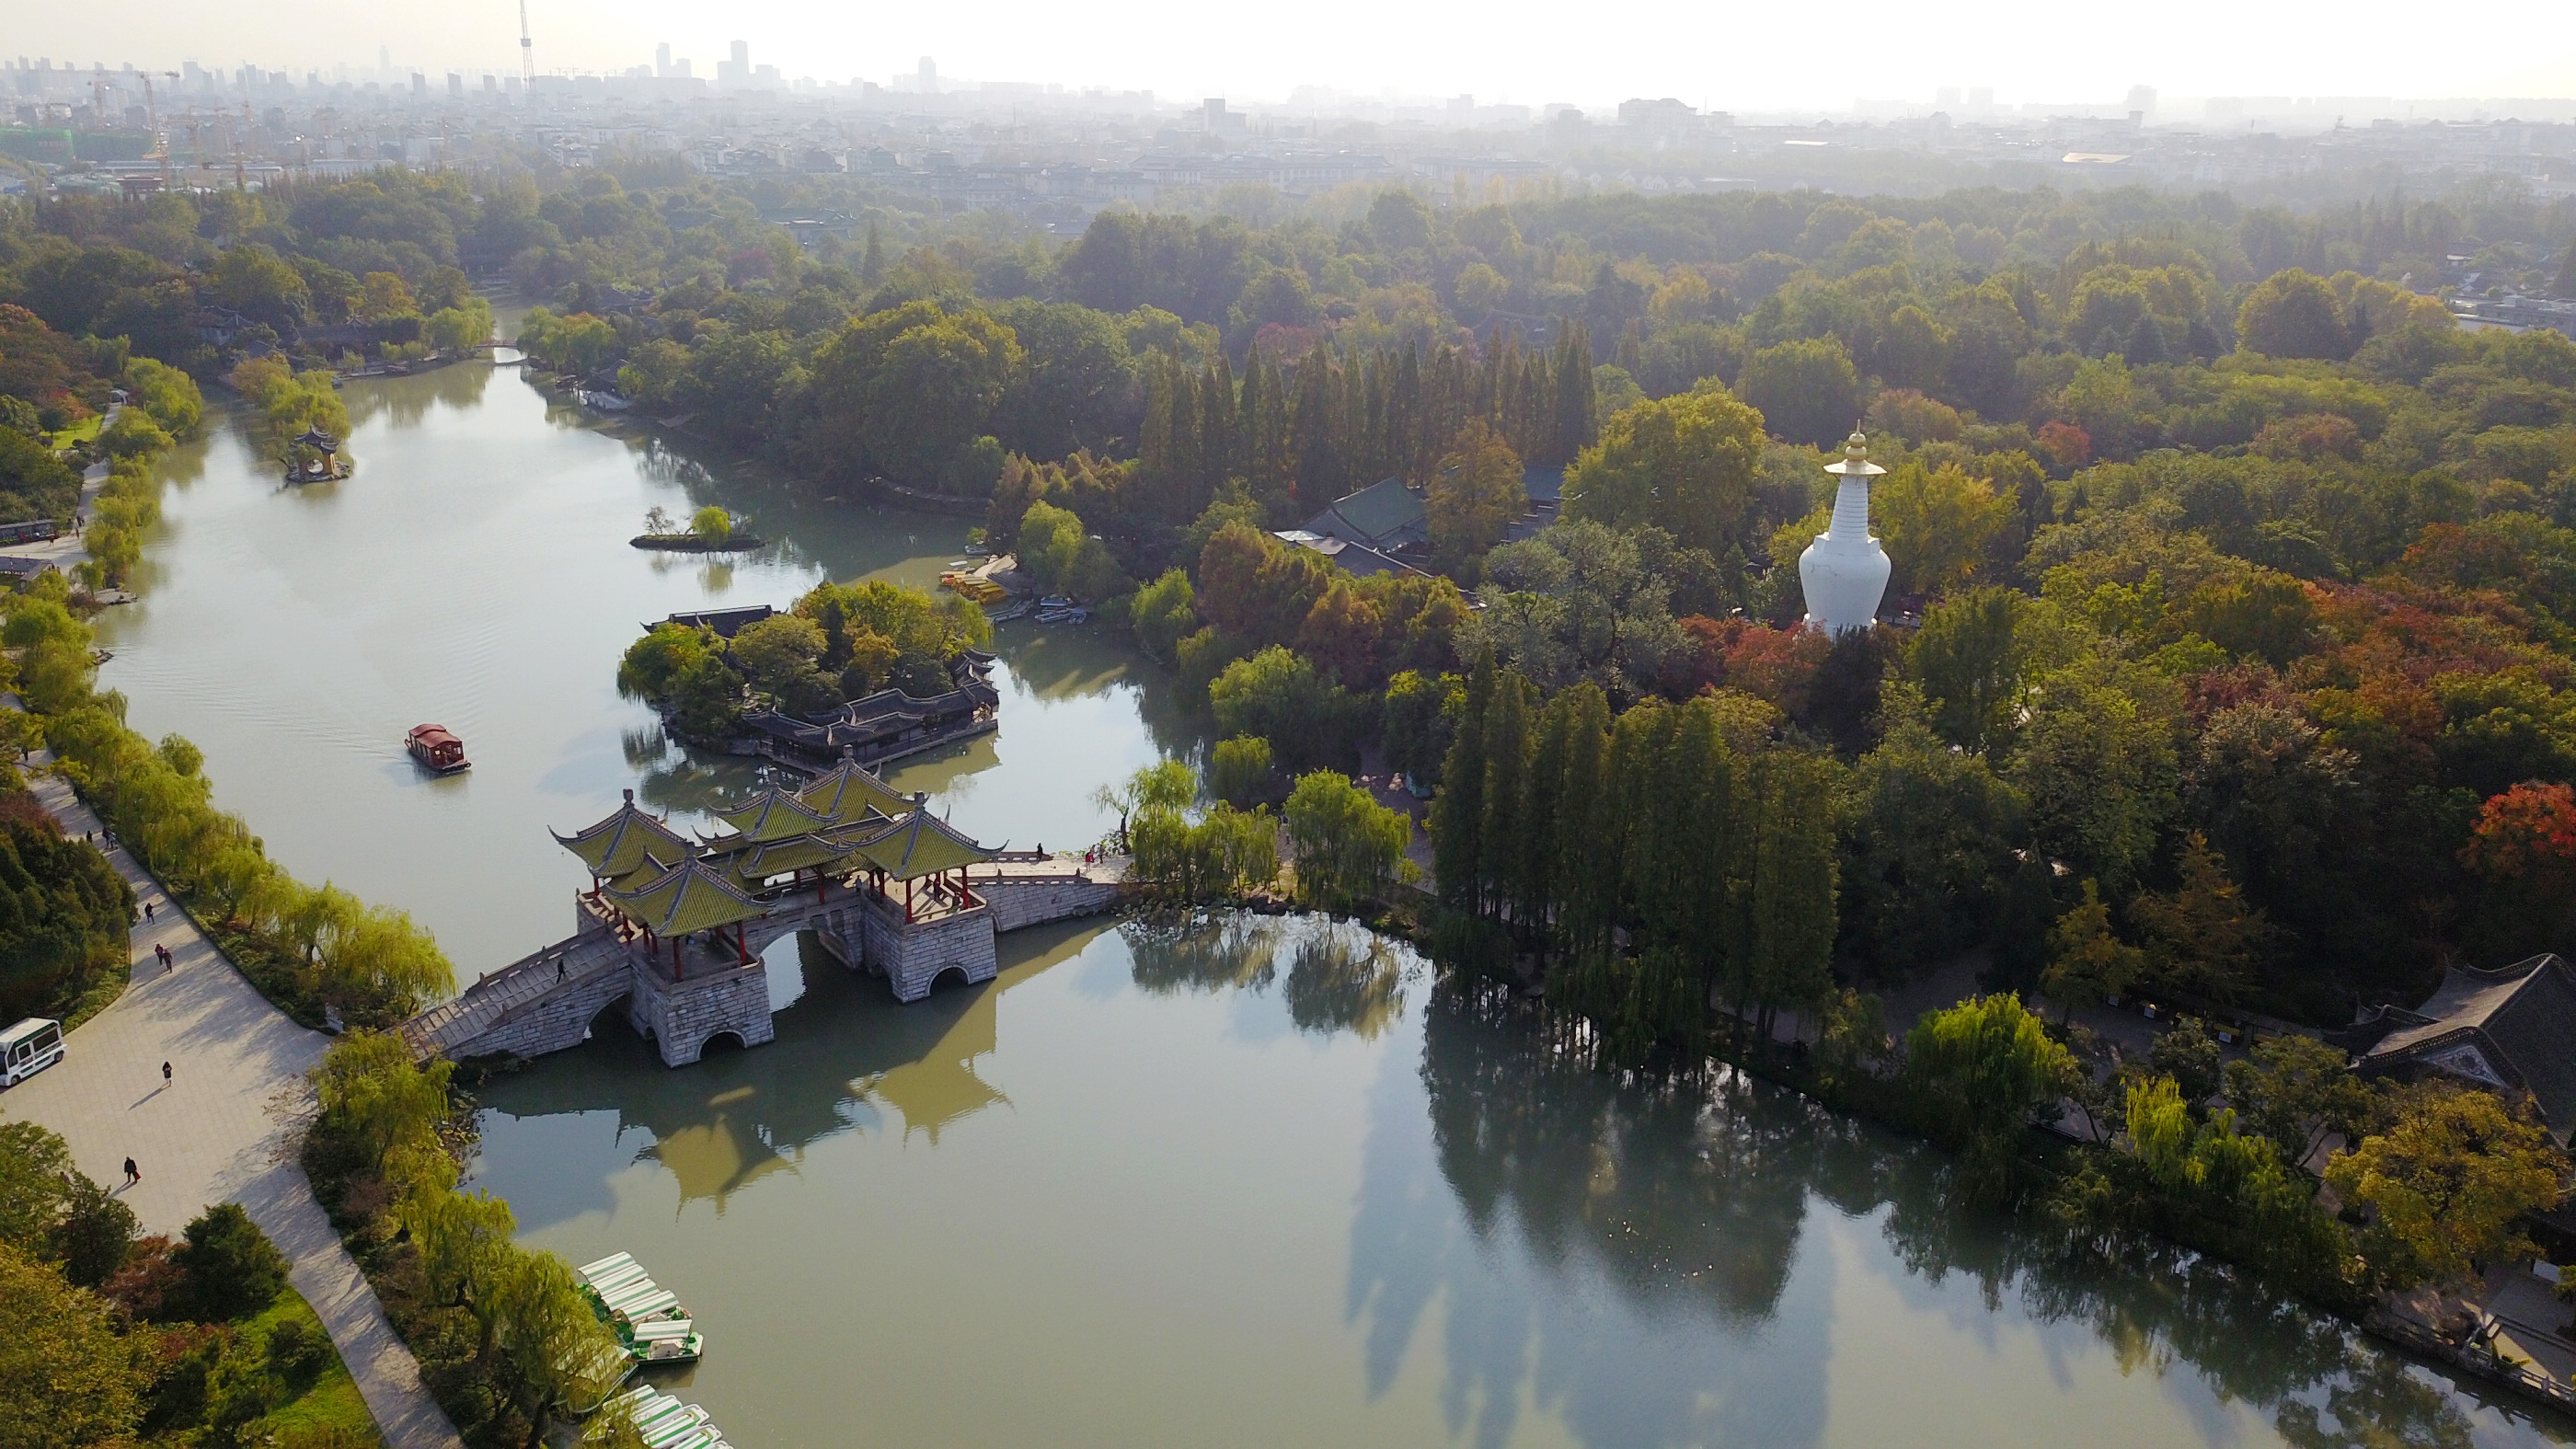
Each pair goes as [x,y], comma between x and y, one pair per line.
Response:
[221,1131]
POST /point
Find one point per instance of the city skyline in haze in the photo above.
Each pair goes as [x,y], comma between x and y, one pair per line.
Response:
[1720,57]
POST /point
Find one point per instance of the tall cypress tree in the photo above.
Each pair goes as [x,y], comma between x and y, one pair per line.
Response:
[1794,882]
[1535,889]
[1458,811]
[1587,851]
[1311,439]
[1219,456]
[1507,751]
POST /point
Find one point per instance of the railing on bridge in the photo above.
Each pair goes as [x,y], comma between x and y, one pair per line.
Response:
[479,1006]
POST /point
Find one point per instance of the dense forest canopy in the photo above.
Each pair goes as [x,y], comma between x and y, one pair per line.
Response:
[2235,580]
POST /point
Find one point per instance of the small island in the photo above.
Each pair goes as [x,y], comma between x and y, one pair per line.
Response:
[866,671]
[710,530]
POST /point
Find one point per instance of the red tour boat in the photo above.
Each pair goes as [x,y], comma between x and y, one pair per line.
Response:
[433,746]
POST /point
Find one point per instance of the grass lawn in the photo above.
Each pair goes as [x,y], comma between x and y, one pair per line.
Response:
[333,1399]
[79,432]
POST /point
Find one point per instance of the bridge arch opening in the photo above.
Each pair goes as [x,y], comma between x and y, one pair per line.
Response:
[723,1040]
[614,1010]
[950,976]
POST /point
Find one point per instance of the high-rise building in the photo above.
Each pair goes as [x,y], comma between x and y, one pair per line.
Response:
[734,74]
[662,59]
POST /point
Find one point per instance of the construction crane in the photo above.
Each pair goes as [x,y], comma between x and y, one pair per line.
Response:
[527,54]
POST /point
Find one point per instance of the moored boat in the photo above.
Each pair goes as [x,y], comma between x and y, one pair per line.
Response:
[437,748]
[650,1324]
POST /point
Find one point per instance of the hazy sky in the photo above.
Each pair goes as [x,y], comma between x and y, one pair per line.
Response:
[1722,55]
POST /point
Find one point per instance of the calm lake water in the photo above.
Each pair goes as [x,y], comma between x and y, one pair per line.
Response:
[1241,1181]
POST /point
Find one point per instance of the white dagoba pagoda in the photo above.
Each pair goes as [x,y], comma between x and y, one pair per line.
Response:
[1844,572]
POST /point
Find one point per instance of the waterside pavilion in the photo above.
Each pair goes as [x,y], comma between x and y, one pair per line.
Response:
[880,879]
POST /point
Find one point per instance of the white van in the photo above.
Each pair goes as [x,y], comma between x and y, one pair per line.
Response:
[28,1048]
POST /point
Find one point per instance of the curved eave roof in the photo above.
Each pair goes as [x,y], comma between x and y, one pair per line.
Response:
[920,844]
[850,795]
[619,844]
[773,815]
[781,857]
[685,898]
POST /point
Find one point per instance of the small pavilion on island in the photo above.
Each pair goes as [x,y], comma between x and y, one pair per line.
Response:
[324,459]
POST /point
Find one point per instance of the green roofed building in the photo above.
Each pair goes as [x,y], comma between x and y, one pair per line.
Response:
[772,815]
[627,842]
[920,844]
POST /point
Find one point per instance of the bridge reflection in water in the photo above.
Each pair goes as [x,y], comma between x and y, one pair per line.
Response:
[1377,1209]
[847,1057]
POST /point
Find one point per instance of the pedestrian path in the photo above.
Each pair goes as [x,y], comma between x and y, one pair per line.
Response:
[221,1129]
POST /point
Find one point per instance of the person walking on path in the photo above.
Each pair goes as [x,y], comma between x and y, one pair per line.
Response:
[165,1074]
[132,1174]
[147,910]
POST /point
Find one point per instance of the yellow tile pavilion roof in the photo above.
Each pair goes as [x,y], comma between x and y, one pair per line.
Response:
[850,795]
[783,857]
[772,815]
[919,844]
[692,896]
[620,844]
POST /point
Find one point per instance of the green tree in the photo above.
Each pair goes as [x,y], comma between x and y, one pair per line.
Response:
[2293,314]
[1983,1072]
[2087,960]
[1239,769]
[560,1354]
[712,525]
[1794,882]
[1418,721]
[1968,659]
[1349,849]
[230,1267]
[373,1095]
[1685,464]
[1458,811]
[2203,938]
[2294,1090]
[904,391]
[1164,613]
[466,1252]
[68,1379]
[782,654]
[35,1176]
[1474,494]
[1939,525]
[1279,696]
[2449,1178]
[2097,760]
[2188,1054]
[1928,840]
[1806,391]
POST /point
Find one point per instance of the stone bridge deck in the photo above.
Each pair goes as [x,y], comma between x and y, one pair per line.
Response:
[547,1000]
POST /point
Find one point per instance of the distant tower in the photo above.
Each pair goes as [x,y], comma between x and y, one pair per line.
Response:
[662,59]
[1844,572]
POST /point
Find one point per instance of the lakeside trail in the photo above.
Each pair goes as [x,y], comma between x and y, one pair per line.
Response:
[221,1130]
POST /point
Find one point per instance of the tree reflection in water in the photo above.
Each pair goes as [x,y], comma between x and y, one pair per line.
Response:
[1688,1192]
[1342,976]
[402,402]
